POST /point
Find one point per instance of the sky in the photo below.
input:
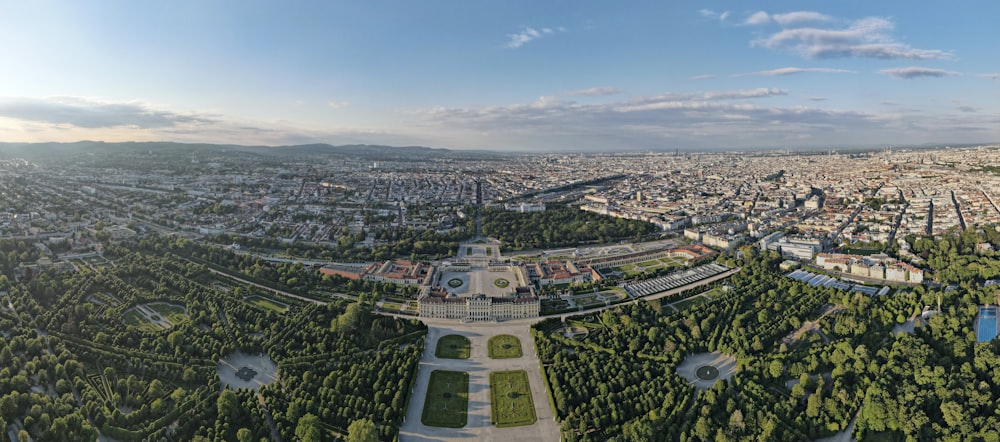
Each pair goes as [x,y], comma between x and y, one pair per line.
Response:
[513,75]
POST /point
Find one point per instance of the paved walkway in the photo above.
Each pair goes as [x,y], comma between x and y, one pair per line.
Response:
[479,366]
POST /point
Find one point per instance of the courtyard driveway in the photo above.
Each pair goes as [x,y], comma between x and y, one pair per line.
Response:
[479,365]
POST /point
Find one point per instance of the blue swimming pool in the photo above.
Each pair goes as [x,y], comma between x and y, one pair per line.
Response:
[987,329]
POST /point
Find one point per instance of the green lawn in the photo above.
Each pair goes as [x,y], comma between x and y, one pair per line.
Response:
[447,401]
[174,313]
[691,302]
[392,306]
[134,319]
[650,264]
[587,301]
[510,396]
[267,304]
[504,347]
[453,347]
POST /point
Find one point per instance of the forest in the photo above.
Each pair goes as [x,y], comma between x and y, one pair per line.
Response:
[559,225]
[77,358]
[956,258]
[934,383]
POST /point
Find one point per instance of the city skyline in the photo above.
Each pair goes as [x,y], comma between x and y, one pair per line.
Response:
[512,76]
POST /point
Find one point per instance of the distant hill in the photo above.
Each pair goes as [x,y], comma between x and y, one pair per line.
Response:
[49,150]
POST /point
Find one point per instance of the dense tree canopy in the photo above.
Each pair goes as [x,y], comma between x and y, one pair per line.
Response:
[937,383]
[559,225]
[76,358]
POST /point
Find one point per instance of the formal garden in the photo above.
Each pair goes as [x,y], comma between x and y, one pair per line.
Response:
[504,347]
[447,400]
[143,350]
[510,398]
[453,347]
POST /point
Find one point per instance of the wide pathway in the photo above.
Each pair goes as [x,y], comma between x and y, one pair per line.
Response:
[479,366]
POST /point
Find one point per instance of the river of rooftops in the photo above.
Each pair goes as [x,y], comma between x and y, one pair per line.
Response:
[731,198]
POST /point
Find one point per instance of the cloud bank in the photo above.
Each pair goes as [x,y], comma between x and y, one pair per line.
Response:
[89,113]
[595,92]
[793,70]
[916,72]
[869,37]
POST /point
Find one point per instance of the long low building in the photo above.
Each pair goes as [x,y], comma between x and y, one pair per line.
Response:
[398,272]
[438,303]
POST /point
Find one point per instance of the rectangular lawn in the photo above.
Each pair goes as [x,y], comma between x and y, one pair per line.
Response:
[453,347]
[504,347]
[267,304]
[510,397]
[447,401]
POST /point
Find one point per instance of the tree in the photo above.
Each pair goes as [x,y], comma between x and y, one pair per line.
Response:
[362,430]
[309,429]
[736,420]
[776,368]
[189,375]
[228,404]
[244,435]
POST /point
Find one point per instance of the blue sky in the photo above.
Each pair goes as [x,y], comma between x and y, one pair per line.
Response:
[503,75]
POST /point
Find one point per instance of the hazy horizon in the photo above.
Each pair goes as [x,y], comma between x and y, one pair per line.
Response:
[511,76]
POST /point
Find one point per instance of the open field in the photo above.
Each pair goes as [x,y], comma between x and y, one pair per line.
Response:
[453,347]
[267,303]
[510,397]
[447,401]
[504,347]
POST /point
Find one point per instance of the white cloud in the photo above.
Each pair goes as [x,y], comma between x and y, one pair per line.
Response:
[757,18]
[69,119]
[528,34]
[792,70]
[595,91]
[708,13]
[91,113]
[711,119]
[992,75]
[799,17]
[338,104]
[704,77]
[916,72]
[868,37]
